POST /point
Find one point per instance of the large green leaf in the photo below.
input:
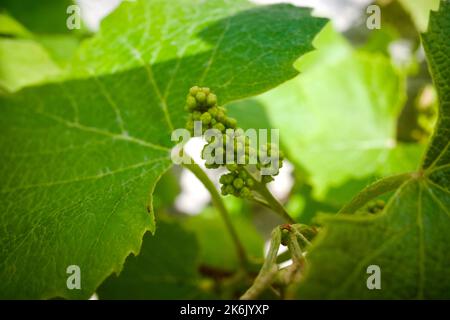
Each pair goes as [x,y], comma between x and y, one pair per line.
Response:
[337,119]
[410,240]
[44,16]
[80,158]
[24,62]
[419,11]
[166,268]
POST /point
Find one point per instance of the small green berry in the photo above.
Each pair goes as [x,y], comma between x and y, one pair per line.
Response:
[206,90]
[238,183]
[228,178]
[211,100]
[221,117]
[245,192]
[219,126]
[242,174]
[190,124]
[229,189]
[213,111]
[232,166]
[206,118]
[231,122]
[249,182]
[201,97]
[213,121]
[191,103]
[223,179]
[223,190]
[196,115]
[193,91]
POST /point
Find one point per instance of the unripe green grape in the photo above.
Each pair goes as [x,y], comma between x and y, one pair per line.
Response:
[206,118]
[242,174]
[219,126]
[231,122]
[206,90]
[228,178]
[193,91]
[249,182]
[213,111]
[231,166]
[201,97]
[211,100]
[229,189]
[196,115]
[245,192]
[223,179]
[221,117]
[213,122]
[190,124]
[223,190]
[191,103]
[238,183]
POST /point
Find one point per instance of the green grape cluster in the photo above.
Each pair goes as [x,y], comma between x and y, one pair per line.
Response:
[241,150]
[238,183]
[202,105]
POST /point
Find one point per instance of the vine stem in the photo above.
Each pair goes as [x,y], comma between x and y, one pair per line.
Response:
[218,203]
[268,270]
[374,190]
[273,202]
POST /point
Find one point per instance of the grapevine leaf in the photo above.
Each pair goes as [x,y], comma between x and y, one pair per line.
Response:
[81,157]
[419,11]
[166,268]
[45,16]
[24,62]
[349,132]
[409,240]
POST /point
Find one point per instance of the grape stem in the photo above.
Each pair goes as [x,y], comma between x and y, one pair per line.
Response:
[218,203]
[268,270]
[273,202]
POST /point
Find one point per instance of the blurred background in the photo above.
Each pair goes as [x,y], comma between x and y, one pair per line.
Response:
[362,107]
